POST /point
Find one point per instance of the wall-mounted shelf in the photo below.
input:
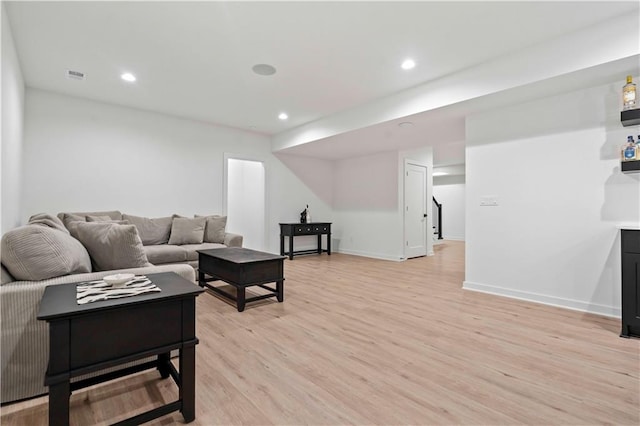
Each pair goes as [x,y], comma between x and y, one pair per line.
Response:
[630,166]
[630,117]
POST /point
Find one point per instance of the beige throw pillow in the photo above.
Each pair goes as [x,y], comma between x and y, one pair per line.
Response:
[187,231]
[49,220]
[33,253]
[152,231]
[112,246]
[215,228]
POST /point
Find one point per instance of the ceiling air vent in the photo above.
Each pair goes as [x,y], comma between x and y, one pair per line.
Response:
[76,75]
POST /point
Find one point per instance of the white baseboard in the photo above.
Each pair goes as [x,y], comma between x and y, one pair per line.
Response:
[576,305]
[372,255]
[454,238]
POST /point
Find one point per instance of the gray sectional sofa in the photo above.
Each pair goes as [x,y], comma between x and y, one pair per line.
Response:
[70,248]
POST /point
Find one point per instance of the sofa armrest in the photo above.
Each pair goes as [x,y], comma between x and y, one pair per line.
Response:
[232,240]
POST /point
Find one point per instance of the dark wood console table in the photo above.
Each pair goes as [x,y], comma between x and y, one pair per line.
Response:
[630,283]
[88,338]
[292,230]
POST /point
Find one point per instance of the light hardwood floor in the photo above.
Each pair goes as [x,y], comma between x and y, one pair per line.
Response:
[364,341]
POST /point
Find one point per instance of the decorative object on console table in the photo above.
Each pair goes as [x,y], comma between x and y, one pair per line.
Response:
[630,241]
[292,230]
[93,337]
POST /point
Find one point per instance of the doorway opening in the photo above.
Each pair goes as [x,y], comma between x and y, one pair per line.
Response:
[244,200]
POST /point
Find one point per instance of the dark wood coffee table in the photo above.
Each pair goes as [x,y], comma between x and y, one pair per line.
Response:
[242,268]
[88,338]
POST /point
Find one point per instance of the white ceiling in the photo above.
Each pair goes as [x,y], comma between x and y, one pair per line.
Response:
[194,59]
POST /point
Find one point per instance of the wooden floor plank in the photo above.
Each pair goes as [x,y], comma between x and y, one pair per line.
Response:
[365,341]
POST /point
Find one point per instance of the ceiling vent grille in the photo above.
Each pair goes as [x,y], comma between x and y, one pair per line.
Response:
[76,75]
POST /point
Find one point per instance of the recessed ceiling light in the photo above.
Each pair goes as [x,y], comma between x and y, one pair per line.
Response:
[406,124]
[264,69]
[283,116]
[408,64]
[440,173]
[127,76]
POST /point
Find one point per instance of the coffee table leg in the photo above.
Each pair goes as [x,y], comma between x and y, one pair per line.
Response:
[280,290]
[201,281]
[59,403]
[163,365]
[188,382]
[240,298]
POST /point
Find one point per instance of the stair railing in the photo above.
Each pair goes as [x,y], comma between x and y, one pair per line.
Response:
[437,227]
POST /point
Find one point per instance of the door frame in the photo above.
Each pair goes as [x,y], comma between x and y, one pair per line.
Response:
[407,162]
[225,188]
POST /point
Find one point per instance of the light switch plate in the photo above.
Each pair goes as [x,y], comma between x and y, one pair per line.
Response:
[488,201]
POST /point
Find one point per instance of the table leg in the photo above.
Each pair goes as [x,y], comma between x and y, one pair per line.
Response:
[280,290]
[329,244]
[188,382]
[240,297]
[290,247]
[59,403]
[281,245]
[201,278]
[163,364]
[319,243]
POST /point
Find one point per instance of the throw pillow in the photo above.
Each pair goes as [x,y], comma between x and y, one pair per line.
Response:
[112,246]
[187,231]
[69,218]
[152,231]
[33,253]
[214,231]
[49,220]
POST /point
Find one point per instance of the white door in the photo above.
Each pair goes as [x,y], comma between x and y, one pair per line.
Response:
[245,201]
[415,210]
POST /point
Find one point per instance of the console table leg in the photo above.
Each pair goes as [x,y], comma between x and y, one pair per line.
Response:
[290,247]
[188,383]
[59,404]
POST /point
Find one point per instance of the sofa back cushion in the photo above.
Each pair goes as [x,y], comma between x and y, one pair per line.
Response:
[187,231]
[34,253]
[44,219]
[113,214]
[215,228]
[112,246]
[152,231]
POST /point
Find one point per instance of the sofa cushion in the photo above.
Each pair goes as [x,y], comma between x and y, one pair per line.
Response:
[44,219]
[192,249]
[164,253]
[214,230]
[187,231]
[34,253]
[5,276]
[152,231]
[112,246]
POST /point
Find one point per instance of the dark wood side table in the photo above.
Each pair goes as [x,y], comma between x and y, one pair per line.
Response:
[242,268]
[630,241]
[92,337]
[292,230]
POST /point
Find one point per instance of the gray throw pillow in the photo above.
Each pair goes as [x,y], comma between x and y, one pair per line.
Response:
[112,246]
[152,231]
[187,231]
[90,218]
[214,230]
[49,220]
[69,218]
[33,253]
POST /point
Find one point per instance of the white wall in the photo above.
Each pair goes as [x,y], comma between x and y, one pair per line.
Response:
[452,198]
[82,155]
[12,130]
[553,166]
[365,202]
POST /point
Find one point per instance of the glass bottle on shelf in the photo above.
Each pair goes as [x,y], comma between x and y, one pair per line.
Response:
[629,151]
[629,94]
